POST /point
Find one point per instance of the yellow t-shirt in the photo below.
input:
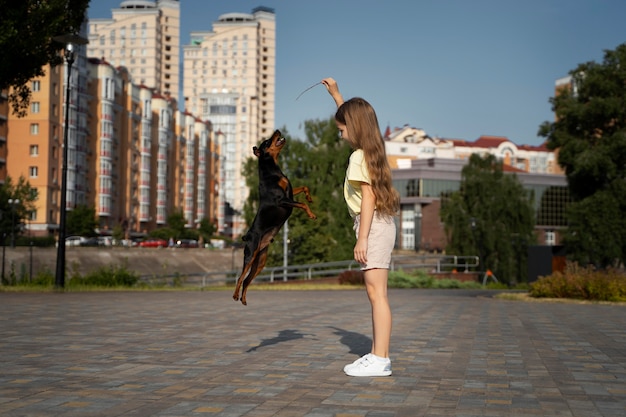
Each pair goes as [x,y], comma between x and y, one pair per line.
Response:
[355,174]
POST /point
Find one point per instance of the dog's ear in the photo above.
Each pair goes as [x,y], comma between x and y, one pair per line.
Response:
[256,151]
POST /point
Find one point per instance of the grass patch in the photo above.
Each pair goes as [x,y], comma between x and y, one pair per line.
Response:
[524,296]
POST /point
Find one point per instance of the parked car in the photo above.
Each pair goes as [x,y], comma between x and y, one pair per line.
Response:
[90,241]
[75,240]
[105,241]
[81,241]
[153,243]
[186,243]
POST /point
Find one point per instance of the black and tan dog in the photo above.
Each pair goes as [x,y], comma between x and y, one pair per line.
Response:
[275,206]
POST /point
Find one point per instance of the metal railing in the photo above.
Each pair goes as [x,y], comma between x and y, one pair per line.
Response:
[435,263]
[430,263]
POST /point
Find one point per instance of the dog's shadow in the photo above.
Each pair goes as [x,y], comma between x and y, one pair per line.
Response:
[356,342]
[283,336]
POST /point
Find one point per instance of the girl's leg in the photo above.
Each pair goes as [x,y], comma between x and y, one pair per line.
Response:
[376,285]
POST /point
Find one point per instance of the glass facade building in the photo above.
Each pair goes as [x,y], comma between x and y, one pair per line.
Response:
[422,186]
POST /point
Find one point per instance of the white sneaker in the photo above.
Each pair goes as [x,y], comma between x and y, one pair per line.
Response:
[353,364]
[368,365]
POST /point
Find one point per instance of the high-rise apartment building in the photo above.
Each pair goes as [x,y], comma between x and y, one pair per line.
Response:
[143,36]
[148,159]
[36,141]
[132,155]
[229,79]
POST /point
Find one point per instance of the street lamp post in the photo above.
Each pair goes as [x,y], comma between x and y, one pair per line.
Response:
[13,202]
[477,242]
[31,262]
[4,246]
[70,41]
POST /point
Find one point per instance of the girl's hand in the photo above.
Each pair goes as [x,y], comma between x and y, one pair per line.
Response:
[333,89]
[360,251]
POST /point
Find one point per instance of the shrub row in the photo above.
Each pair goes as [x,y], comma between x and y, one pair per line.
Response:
[402,279]
[584,283]
[110,276]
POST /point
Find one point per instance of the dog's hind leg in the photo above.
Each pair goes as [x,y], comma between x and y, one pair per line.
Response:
[257,267]
[304,189]
[249,259]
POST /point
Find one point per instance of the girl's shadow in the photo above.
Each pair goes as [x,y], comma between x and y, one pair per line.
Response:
[358,343]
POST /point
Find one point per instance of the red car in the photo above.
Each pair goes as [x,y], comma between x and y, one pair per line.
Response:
[153,243]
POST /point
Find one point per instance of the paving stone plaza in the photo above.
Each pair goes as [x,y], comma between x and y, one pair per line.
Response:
[185,353]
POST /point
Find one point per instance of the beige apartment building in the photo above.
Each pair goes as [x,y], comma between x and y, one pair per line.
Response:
[229,79]
[143,36]
[129,147]
[197,176]
[35,142]
[151,159]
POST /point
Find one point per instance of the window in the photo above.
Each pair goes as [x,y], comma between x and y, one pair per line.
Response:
[34,107]
[109,89]
[34,150]
[33,172]
[34,128]
[36,86]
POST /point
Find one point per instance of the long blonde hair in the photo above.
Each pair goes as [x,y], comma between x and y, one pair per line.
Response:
[363,133]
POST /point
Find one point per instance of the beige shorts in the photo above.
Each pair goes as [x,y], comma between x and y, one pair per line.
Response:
[380,241]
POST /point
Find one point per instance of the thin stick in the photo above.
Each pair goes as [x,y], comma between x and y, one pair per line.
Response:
[307,90]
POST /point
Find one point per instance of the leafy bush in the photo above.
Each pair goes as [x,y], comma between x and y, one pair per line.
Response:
[44,279]
[417,279]
[446,283]
[35,241]
[421,279]
[106,277]
[403,279]
[582,283]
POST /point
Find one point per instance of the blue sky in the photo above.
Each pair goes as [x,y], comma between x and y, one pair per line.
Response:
[455,68]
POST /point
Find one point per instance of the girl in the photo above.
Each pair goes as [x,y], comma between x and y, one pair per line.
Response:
[372,203]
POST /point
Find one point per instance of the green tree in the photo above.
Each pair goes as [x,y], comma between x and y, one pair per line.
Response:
[206,229]
[176,222]
[26,31]
[81,221]
[118,233]
[319,163]
[492,216]
[590,135]
[12,217]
